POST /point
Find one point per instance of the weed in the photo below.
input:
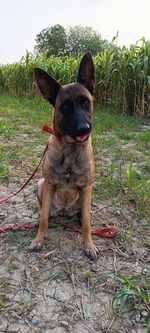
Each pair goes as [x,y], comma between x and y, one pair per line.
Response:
[145,138]
[4,173]
[4,282]
[2,302]
[112,170]
[131,175]
[139,189]
[131,289]
[92,291]
[124,134]
[8,268]
[86,310]
[17,238]
[88,274]
[27,303]
[125,235]
[52,275]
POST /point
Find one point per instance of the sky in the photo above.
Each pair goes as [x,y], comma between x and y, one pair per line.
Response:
[22,20]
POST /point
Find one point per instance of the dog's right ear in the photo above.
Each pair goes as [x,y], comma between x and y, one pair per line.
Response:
[86,73]
[48,86]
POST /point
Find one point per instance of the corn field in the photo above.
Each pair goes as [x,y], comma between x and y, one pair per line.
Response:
[122,76]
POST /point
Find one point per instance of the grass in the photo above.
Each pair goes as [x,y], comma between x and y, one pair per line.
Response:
[16,239]
[2,302]
[132,291]
[27,303]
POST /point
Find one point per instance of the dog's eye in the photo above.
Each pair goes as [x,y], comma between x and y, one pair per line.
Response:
[65,106]
[85,103]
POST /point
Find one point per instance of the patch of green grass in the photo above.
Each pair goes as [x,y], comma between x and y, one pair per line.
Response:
[104,188]
[123,185]
[124,134]
[143,143]
[4,173]
[132,291]
[125,235]
[21,132]
[9,268]
[138,189]
[18,237]
[106,121]
[2,302]
[145,137]
[103,141]
[26,303]
[4,282]
[19,116]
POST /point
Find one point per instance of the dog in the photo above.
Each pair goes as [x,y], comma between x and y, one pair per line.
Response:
[68,166]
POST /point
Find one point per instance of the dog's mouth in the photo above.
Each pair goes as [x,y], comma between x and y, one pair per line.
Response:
[81,138]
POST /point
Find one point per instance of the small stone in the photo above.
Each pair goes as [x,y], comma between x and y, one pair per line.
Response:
[36,321]
[145,127]
[64,323]
[54,330]
[19,216]
[55,317]
[52,324]
[15,199]
[24,213]
[144,313]
[35,216]
[26,220]
[3,324]
[138,318]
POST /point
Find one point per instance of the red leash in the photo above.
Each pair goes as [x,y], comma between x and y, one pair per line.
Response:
[17,227]
[106,232]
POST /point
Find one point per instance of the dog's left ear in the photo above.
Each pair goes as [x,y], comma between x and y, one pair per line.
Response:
[86,73]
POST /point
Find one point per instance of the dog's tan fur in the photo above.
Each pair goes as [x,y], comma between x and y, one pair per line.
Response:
[68,171]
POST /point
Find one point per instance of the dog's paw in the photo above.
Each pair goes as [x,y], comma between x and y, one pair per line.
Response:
[90,250]
[36,243]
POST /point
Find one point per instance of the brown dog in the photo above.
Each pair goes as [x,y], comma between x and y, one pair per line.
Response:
[68,166]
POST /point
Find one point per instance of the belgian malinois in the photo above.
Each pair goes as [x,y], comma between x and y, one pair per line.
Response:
[68,166]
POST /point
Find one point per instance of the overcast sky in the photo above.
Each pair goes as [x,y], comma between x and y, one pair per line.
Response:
[22,20]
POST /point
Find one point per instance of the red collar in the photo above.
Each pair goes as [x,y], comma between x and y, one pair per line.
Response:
[49,129]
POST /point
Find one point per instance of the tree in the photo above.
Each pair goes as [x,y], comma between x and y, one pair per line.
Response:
[82,39]
[56,40]
[51,41]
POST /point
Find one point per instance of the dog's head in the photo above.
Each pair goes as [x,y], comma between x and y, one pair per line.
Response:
[73,102]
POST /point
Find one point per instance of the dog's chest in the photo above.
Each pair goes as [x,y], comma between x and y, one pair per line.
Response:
[71,167]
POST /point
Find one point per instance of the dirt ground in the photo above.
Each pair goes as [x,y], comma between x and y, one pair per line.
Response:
[50,290]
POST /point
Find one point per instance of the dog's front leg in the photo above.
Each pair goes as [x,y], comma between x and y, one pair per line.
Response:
[85,205]
[47,200]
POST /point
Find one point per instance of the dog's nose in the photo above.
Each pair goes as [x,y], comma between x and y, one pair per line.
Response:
[83,129]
